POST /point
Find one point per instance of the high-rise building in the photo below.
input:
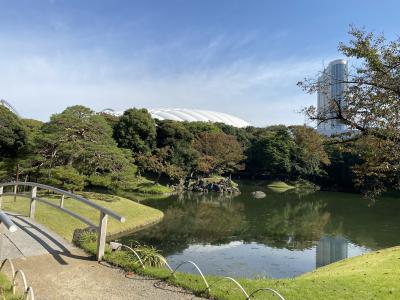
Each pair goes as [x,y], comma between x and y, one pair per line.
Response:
[331,249]
[331,91]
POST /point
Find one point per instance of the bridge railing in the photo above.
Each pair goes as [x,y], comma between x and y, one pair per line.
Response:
[7,222]
[33,197]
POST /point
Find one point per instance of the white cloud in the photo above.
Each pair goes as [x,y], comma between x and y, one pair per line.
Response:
[260,93]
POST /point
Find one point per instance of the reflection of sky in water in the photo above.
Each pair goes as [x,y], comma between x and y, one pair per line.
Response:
[254,260]
[320,228]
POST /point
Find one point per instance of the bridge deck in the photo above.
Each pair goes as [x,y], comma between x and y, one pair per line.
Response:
[31,239]
[58,270]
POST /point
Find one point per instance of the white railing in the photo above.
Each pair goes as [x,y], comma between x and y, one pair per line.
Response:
[118,246]
[27,290]
[104,212]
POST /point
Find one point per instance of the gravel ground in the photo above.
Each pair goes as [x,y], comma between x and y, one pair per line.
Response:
[74,276]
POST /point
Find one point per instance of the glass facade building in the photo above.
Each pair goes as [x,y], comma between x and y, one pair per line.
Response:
[331,96]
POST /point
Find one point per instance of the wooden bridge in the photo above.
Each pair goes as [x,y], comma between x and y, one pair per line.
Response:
[54,267]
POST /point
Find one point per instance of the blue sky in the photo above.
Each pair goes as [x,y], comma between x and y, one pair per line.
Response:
[239,57]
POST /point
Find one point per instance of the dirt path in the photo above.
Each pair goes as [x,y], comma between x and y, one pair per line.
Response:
[58,270]
[80,278]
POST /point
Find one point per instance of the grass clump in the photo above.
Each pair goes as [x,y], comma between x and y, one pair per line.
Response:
[6,289]
[280,186]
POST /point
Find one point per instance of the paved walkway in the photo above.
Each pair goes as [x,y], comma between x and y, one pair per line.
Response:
[58,270]
[31,239]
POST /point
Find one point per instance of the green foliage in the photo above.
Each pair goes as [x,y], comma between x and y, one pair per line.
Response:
[136,130]
[67,178]
[308,154]
[170,133]
[149,255]
[78,145]
[13,136]
[219,153]
[158,163]
[372,100]
[243,135]
[197,128]
[270,154]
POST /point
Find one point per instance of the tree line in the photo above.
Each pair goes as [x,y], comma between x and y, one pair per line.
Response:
[78,148]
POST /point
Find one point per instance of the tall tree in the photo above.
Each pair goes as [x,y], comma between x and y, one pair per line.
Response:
[269,153]
[79,138]
[308,152]
[136,130]
[13,136]
[371,107]
[219,153]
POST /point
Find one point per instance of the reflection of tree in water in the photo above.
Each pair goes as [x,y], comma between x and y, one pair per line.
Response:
[296,226]
[289,220]
[218,219]
[286,220]
[188,222]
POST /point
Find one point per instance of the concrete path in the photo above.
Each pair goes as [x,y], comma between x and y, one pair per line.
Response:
[31,239]
[58,270]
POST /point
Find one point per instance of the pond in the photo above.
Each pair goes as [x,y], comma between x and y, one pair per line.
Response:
[282,235]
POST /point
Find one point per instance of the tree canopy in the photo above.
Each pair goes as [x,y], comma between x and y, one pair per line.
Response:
[371,108]
[13,134]
[219,153]
[136,130]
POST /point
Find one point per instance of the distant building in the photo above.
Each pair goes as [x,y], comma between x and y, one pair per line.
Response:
[192,115]
[330,250]
[332,89]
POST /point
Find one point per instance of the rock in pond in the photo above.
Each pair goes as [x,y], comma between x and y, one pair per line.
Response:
[259,194]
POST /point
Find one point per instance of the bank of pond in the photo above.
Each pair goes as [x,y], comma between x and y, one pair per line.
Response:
[299,241]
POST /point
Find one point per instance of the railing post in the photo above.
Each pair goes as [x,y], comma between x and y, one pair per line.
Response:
[32,207]
[62,201]
[101,235]
[15,192]
[1,196]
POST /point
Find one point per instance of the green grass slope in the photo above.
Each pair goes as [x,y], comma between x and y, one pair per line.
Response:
[136,215]
[372,276]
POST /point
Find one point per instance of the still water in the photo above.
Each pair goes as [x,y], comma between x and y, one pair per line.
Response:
[282,235]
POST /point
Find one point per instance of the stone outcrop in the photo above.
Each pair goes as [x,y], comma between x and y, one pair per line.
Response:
[205,185]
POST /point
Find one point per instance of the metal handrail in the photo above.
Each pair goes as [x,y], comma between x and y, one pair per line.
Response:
[269,290]
[134,252]
[235,282]
[104,212]
[7,222]
[68,194]
[198,269]
[208,286]
[11,265]
[14,281]
[29,294]
[28,290]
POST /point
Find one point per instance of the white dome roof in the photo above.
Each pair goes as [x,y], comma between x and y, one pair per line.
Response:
[192,115]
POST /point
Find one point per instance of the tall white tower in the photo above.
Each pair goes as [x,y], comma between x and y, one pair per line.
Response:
[331,93]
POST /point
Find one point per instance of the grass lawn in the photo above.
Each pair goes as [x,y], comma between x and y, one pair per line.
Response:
[280,186]
[146,186]
[372,276]
[136,215]
[5,288]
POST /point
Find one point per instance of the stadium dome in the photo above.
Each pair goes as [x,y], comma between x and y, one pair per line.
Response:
[191,115]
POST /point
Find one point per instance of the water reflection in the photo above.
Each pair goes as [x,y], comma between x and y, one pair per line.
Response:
[282,235]
[331,249]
